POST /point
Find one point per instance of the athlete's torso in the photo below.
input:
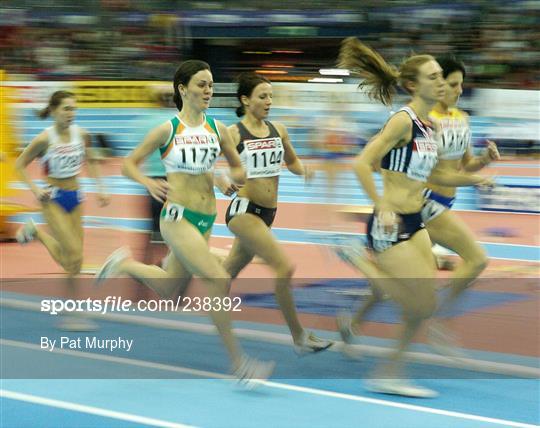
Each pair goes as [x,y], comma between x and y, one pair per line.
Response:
[62,161]
[406,169]
[454,136]
[453,141]
[189,158]
[262,159]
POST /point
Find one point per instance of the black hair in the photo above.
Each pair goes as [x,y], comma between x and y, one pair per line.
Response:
[450,64]
[183,75]
[54,102]
[247,82]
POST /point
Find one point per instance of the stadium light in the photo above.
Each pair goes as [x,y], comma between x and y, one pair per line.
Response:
[334,72]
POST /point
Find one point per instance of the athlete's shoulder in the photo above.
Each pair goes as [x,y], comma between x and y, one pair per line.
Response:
[400,120]
[234,131]
[216,125]
[82,132]
[460,114]
[280,128]
[165,130]
[436,115]
[44,138]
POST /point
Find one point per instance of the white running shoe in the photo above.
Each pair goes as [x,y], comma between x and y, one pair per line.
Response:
[443,341]
[26,233]
[399,387]
[110,267]
[311,344]
[351,251]
[253,372]
[343,321]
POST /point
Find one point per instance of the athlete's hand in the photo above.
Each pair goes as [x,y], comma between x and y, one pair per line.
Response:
[492,153]
[486,181]
[308,174]
[224,184]
[157,188]
[103,199]
[238,175]
[387,219]
[42,195]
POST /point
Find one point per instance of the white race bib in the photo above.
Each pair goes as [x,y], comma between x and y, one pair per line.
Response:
[65,160]
[423,159]
[263,157]
[172,212]
[195,154]
[382,240]
[454,139]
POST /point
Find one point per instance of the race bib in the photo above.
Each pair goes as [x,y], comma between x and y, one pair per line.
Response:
[172,212]
[263,157]
[195,154]
[454,139]
[423,159]
[382,239]
[66,161]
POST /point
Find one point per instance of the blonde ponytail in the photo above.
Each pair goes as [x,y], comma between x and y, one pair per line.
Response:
[380,77]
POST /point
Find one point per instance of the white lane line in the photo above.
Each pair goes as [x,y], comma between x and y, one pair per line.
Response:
[271,384]
[405,406]
[483,366]
[67,405]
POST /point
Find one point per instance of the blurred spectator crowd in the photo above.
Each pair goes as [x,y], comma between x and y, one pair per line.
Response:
[133,40]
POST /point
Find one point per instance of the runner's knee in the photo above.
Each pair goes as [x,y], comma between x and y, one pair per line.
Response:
[422,306]
[74,264]
[479,262]
[284,270]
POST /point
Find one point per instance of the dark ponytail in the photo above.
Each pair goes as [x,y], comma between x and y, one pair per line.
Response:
[247,82]
[183,75]
[44,113]
[240,111]
[54,102]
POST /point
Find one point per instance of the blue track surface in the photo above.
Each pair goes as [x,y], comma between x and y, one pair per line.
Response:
[161,393]
[330,297]
[126,127]
[159,379]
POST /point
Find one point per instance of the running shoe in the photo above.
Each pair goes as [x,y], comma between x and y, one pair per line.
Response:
[443,341]
[26,233]
[110,267]
[252,373]
[311,344]
[399,387]
[343,321]
[351,251]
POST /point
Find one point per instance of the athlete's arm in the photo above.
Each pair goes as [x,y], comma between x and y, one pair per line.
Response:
[37,147]
[221,179]
[294,164]
[228,148]
[471,163]
[457,179]
[397,130]
[93,168]
[156,138]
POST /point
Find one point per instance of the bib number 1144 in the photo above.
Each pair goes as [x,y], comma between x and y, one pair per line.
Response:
[266,159]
